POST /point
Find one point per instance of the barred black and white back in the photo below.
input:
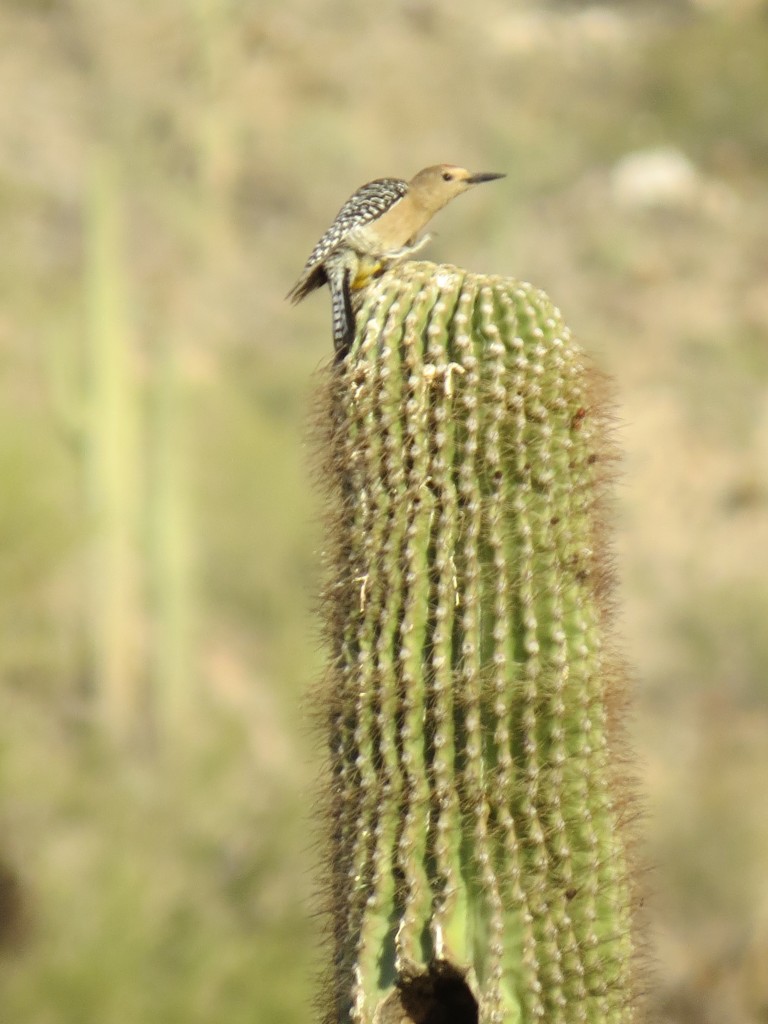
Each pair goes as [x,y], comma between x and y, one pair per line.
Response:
[363,206]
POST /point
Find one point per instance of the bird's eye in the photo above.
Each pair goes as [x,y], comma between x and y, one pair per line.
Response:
[447,176]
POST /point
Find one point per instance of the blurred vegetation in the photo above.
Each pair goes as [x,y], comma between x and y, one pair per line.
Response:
[164,170]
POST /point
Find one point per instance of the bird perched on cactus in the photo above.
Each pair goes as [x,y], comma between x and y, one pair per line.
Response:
[379,224]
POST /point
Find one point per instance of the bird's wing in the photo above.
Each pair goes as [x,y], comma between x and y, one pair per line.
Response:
[366,204]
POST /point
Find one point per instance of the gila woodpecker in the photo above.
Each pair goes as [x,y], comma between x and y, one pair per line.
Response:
[379,224]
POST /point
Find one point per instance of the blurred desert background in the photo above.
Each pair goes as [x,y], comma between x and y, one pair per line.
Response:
[165,169]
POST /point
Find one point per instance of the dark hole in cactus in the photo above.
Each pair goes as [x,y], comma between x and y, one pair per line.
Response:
[441,996]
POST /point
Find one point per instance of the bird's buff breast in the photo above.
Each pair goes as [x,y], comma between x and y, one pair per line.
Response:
[390,232]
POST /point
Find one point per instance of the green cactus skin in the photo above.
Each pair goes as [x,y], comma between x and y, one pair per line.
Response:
[475,817]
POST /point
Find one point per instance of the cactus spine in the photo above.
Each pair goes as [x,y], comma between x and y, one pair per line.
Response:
[478,868]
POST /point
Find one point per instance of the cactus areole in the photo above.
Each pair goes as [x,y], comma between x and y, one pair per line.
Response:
[476,860]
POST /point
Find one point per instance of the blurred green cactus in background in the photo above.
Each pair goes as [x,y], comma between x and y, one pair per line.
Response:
[476,849]
[108,439]
[122,411]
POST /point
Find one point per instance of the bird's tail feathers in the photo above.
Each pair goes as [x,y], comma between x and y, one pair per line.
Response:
[306,284]
[342,314]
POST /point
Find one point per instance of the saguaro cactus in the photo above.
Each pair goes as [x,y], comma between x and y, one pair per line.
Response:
[108,437]
[477,864]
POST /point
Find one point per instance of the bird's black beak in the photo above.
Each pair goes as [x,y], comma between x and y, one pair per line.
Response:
[475,179]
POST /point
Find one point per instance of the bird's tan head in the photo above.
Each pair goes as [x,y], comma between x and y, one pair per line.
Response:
[435,186]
